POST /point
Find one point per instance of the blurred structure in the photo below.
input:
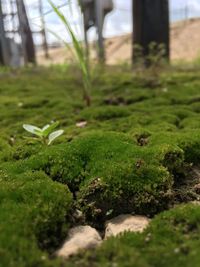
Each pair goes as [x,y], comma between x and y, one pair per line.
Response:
[25,33]
[117,27]
[94,12]
[150,26]
[16,41]
[43,30]
[4,52]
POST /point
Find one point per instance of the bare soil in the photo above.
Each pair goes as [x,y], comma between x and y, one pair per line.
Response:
[185,46]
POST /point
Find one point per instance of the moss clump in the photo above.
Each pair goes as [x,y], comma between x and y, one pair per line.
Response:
[4,149]
[33,217]
[131,156]
[190,143]
[25,149]
[109,171]
[120,177]
[104,113]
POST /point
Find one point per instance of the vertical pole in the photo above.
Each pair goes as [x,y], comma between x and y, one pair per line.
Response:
[26,34]
[84,11]
[186,11]
[151,25]
[135,19]
[13,13]
[99,25]
[86,39]
[43,31]
[4,52]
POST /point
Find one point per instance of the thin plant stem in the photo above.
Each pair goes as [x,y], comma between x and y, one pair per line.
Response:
[80,54]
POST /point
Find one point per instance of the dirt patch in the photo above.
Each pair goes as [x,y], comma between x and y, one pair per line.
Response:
[188,188]
[185,45]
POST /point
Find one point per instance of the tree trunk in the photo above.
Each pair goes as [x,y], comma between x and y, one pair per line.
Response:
[99,24]
[43,31]
[150,25]
[4,51]
[26,34]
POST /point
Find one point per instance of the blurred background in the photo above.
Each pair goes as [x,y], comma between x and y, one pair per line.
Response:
[43,22]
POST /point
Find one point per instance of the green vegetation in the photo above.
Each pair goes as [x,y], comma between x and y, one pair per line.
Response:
[79,51]
[136,154]
[45,135]
[33,217]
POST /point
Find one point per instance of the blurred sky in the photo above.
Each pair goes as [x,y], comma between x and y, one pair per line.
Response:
[117,22]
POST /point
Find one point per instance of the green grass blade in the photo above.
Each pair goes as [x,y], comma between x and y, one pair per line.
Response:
[79,51]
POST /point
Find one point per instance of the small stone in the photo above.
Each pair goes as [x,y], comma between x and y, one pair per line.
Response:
[78,214]
[11,140]
[43,258]
[176,250]
[20,104]
[81,124]
[165,89]
[197,188]
[124,223]
[148,237]
[196,202]
[79,238]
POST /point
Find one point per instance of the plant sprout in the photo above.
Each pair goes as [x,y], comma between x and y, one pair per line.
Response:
[79,51]
[46,135]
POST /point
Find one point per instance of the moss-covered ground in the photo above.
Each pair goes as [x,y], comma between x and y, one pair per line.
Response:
[138,153]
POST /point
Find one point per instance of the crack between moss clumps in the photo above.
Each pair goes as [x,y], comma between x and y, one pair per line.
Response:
[188,188]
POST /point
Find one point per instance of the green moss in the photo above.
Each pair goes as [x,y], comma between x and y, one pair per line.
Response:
[119,177]
[33,217]
[136,145]
[111,168]
[4,149]
[104,113]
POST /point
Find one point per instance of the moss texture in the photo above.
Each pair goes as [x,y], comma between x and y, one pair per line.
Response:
[133,155]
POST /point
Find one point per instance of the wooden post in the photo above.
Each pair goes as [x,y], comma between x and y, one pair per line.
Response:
[99,23]
[26,34]
[86,39]
[4,51]
[43,31]
[13,14]
[150,25]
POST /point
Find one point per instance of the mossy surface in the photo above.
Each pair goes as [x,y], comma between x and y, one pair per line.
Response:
[33,215]
[134,155]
